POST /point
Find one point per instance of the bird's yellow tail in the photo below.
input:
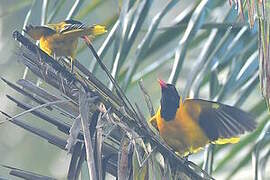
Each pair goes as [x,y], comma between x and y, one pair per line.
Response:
[98,30]
[231,140]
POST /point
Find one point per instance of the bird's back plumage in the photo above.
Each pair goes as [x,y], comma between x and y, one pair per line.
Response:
[61,39]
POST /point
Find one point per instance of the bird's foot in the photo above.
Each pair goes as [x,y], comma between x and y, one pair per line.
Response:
[186,158]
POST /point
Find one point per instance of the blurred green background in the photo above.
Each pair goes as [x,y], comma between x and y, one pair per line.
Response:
[223,68]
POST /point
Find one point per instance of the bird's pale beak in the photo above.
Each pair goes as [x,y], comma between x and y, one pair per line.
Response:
[162,83]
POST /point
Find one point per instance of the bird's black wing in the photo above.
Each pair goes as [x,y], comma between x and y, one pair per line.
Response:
[218,120]
[72,25]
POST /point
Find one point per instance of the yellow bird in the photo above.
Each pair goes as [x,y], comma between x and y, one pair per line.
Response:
[61,39]
[187,126]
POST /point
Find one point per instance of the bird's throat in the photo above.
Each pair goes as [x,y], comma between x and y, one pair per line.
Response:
[168,109]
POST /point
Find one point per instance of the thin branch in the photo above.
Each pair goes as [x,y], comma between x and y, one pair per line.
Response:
[53,139]
[62,126]
[25,93]
[118,89]
[147,98]
[99,144]
[73,162]
[84,111]
[35,108]
[26,174]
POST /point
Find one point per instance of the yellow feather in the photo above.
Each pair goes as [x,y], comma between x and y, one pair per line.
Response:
[57,43]
[99,30]
[232,140]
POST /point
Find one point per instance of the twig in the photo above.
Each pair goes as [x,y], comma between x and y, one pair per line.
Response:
[99,143]
[53,139]
[62,126]
[23,92]
[35,108]
[84,111]
[80,162]
[71,109]
[126,149]
[73,162]
[118,89]
[26,174]
[147,98]
[74,131]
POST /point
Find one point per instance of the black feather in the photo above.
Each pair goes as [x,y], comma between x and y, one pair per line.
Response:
[169,102]
[72,21]
[208,123]
[71,25]
[225,121]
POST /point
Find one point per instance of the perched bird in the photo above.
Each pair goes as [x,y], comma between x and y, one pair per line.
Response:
[187,126]
[61,39]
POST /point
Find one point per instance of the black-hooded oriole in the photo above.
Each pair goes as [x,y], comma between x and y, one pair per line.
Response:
[187,126]
[61,39]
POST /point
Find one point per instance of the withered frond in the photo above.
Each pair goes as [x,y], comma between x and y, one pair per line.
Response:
[110,133]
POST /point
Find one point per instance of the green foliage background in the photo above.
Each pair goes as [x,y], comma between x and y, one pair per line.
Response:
[213,51]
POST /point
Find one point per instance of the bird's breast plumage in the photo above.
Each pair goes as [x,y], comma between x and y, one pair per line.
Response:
[53,45]
[182,133]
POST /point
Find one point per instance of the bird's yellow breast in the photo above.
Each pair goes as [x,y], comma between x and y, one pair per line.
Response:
[182,133]
[54,45]
[45,45]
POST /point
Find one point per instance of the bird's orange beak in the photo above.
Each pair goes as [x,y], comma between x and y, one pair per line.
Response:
[162,83]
